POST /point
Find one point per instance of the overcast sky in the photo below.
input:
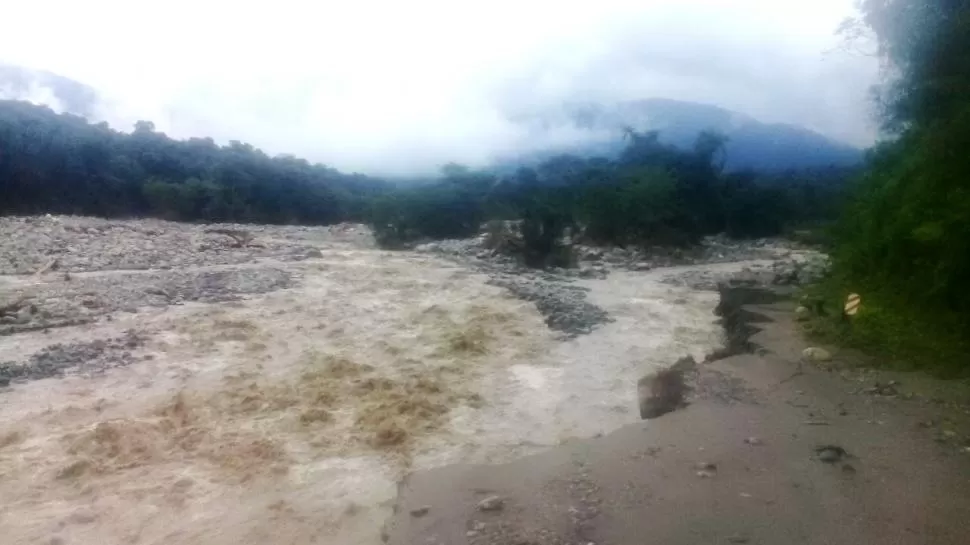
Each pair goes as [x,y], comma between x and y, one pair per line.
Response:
[403,85]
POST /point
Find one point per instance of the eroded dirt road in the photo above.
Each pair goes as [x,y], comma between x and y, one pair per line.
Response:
[772,450]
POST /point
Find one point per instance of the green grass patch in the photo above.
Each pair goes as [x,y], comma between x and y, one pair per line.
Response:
[899,335]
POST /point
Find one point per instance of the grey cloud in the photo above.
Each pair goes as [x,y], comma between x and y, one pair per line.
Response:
[431,82]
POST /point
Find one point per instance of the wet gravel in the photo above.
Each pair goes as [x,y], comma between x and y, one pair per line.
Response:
[562,303]
[75,244]
[83,299]
[83,357]
[564,306]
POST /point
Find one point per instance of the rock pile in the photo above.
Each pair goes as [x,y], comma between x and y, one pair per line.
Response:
[73,270]
[713,249]
[84,357]
[75,244]
[800,268]
[595,261]
[85,298]
[564,306]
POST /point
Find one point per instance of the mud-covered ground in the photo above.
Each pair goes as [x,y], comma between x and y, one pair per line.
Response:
[772,448]
[189,384]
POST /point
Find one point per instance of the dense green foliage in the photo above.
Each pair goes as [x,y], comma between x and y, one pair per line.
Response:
[904,241]
[63,164]
[652,194]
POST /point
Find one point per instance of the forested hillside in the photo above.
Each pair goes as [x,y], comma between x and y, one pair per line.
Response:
[653,193]
[63,164]
[904,242]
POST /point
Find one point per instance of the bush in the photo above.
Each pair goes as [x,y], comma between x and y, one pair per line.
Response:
[429,212]
[542,236]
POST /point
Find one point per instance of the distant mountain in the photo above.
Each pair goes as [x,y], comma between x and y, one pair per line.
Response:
[752,144]
[38,86]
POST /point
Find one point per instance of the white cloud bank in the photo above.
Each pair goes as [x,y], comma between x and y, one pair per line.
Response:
[402,86]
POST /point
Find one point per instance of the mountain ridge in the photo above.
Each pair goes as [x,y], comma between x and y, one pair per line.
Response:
[19,83]
[751,144]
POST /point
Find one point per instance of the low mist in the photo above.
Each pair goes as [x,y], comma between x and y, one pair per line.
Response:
[401,88]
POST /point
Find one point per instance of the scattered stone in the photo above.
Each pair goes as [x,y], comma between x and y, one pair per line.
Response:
[642,266]
[73,244]
[313,253]
[830,454]
[88,357]
[816,354]
[85,299]
[802,313]
[754,441]
[887,390]
[420,511]
[564,306]
[705,470]
[738,539]
[491,503]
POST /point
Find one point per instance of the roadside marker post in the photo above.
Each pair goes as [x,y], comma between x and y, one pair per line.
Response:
[852,305]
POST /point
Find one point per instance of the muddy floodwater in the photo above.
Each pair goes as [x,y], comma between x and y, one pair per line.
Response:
[287,415]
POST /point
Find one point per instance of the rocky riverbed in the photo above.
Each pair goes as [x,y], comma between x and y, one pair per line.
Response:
[769,263]
[75,244]
[276,382]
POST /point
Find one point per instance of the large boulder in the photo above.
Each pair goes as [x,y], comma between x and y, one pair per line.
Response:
[816,354]
[665,390]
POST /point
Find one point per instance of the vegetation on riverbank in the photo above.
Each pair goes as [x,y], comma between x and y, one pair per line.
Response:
[903,239]
[896,335]
[651,194]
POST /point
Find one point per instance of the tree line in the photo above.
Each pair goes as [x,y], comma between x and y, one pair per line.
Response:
[51,163]
[652,193]
[903,241]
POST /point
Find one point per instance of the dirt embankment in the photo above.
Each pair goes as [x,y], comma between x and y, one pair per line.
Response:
[771,449]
